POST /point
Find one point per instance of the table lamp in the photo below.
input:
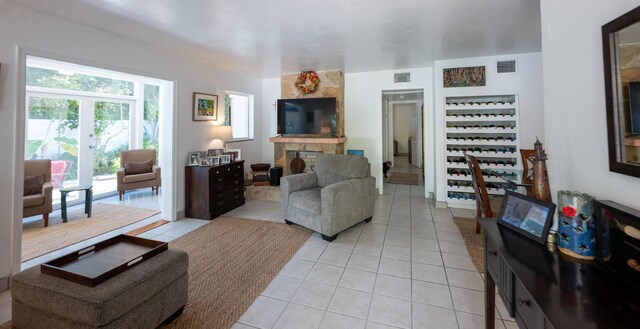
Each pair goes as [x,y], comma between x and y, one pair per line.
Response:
[222,133]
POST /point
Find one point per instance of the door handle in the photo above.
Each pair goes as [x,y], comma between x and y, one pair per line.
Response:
[92,146]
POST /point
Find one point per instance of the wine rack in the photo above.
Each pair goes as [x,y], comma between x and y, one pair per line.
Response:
[486,127]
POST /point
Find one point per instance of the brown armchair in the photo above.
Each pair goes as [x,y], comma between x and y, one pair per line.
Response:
[138,169]
[37,198]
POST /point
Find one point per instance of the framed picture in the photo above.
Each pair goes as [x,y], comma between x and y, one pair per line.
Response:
[525,215]
[205,107]
[472,76]
[225,158]
[215,160]
[359,153]
[205,161]
[214,152]
[193,159]
[236,154]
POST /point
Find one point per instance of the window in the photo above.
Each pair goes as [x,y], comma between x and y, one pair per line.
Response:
[238,113]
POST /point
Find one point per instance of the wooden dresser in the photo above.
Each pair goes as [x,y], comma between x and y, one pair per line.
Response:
[211,191]
[542,289]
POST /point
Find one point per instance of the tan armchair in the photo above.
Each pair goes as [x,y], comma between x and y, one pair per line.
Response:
[138,169]
[38,188]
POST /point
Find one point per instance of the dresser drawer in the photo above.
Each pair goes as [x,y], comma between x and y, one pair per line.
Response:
[526,309]
[493,258]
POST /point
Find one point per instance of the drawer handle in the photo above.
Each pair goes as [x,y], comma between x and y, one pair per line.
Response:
[493,253]
[522,301]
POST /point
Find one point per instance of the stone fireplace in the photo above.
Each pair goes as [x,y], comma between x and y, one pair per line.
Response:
[285,148]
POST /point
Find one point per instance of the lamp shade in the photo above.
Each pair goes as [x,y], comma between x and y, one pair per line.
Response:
[222,132]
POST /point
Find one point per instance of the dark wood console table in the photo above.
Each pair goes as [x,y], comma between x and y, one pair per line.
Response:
[211,191]
[542,289]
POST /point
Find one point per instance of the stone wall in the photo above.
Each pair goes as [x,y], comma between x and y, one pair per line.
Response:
[331,85]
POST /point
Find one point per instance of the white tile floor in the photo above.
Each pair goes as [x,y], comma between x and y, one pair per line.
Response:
[407,268]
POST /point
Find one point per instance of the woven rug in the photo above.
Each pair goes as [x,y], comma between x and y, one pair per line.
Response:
[474,242]
[231,261]
[38,240]
[402,178]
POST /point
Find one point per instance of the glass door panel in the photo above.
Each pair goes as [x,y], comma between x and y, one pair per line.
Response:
[111,135]
[52,132]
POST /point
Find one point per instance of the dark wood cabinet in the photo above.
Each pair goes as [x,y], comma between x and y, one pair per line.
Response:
[211,191]
[542,289]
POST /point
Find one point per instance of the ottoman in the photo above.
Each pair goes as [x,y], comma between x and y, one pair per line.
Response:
[144,296]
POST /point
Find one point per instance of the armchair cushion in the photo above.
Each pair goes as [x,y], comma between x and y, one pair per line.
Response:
[334,168]
[138,178]
[33,184]
[33,200]
[133,168]
[308,200]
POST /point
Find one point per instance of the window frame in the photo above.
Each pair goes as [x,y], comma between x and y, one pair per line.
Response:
[250,117]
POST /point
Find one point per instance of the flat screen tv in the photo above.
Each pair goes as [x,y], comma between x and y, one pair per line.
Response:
[634,107]
[307,116]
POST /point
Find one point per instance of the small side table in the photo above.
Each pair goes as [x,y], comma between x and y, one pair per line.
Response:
[87,200]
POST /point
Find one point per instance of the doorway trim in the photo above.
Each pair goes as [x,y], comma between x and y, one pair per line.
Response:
[168,136]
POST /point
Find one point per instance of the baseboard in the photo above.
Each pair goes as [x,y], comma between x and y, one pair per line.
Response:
[441,204]
[4,284]
[181,214]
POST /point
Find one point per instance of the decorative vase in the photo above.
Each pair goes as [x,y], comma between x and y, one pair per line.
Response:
[576,227]
[297,164]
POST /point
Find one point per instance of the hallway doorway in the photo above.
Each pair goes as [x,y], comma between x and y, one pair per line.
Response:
[402,136]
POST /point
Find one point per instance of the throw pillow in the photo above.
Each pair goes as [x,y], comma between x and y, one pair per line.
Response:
[134,168]
[33,184]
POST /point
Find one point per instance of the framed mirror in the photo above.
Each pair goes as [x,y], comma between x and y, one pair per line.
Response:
[621,50]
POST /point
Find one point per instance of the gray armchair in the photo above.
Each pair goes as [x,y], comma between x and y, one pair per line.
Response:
[138,169]
[339,194]
[38,198]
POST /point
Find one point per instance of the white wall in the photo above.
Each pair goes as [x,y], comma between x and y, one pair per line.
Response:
[402,114]
[42,34]
[363,114]
[270,95]
[574,101]
[526,83]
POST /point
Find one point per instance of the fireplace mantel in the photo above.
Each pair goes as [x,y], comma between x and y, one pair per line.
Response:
[309,140]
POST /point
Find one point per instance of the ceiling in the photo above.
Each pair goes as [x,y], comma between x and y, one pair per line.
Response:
[268,38]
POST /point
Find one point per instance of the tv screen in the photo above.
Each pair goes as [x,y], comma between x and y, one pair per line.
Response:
[634,107]
[307,116]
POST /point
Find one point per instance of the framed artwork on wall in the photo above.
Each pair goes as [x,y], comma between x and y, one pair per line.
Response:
[473,76]
[205,107]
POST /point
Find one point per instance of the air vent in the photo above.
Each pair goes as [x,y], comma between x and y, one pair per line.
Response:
[402,77]
[506,67]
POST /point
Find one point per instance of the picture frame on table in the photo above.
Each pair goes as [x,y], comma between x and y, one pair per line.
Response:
[205,107]
[214,152]
[236,154]
[193,159]
[215,160]
[527,216]
[225,158]
[205,161]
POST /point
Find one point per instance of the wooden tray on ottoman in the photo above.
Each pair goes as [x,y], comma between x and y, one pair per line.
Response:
[104,260]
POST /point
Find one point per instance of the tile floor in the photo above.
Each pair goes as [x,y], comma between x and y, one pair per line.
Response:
[405,269]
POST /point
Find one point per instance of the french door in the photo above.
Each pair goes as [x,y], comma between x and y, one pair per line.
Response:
[83,136]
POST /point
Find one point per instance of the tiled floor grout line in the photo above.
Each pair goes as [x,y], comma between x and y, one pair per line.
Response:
[453,305]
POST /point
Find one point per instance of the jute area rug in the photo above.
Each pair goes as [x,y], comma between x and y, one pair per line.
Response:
[231,261]
[474,242]
[38,240]
[402,178]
